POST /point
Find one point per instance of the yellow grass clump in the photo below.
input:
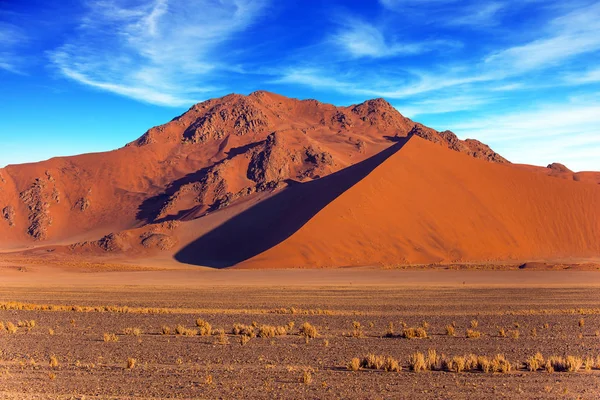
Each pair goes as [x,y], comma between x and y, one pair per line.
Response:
[354,364]
[204,328]
[130,364]
[417,362]
[308,331]
[473,334]
[110,337]
[414,333]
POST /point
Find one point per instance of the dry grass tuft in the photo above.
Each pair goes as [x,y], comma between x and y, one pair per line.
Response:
[456,364]
[245,330]
[221,337]
[535,362]
[501,332]
[573,363]
[354,365]
[307,377]
[581,322]
[11,328]
[501,364]
[183,331]
[391,365]
[562,364]
[450,331]
[389,332]
[130,364]
[417,362]
[308,331]
[588,364]
[371,361]
[432,361]
[244,340]
[132,331]
[50,331]
[414,333]
[357,330]
[474,323]
[473,334]
[53,361]
[204,328]
[514,333]
[484,365]
[110,337]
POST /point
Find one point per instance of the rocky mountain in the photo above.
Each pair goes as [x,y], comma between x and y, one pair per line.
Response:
[218,153]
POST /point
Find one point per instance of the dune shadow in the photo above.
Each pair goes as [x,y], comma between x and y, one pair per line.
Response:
[276,218]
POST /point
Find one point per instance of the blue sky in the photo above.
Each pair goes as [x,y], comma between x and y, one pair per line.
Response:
[83,76]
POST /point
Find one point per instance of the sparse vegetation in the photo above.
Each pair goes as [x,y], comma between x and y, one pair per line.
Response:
[221,338]
[11,328]
[535,362]
[165,330]
[389,332]
[132,331]
[110,337]
[53,361]
[417,362]
[474,323]
[391,365]
[450,330]
[357,331]
[308,331]
[371,361]
[130,364]
[204,328]
[473,334]
[354,364]
[183,331]
[306,377]
[414,333]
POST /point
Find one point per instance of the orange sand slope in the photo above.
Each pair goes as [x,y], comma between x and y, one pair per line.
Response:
[426,204]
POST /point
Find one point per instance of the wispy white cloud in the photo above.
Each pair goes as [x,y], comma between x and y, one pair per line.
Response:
[11,38]
[361,39]
[161,52]
[568,133]
[565,37]
[442,104]
[402,84]
[589,76]
[474,14]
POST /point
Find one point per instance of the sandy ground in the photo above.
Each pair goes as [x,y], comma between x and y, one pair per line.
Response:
[46,276]
[545,307]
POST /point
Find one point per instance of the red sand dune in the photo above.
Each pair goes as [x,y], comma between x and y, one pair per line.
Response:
[427,204]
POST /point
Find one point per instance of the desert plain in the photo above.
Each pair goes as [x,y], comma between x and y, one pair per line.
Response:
[201,333]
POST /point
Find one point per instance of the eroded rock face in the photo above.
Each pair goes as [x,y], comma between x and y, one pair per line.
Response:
[82,204]
[272,162]
[114,242]
[558,167]
[36,198]
[158,241]
[8,213]
[472,147]
[239,118]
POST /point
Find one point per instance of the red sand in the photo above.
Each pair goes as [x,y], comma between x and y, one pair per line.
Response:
[428,204]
